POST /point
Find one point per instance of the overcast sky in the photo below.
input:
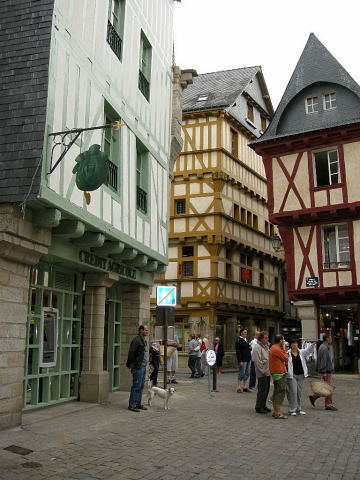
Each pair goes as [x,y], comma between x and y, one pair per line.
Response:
[212,35]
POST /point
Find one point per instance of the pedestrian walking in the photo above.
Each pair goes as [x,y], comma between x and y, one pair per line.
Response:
[219,350]
[297,372]
[243,355]
[325,366]
[137,361]
[278,358]
[260,357]
[193,348]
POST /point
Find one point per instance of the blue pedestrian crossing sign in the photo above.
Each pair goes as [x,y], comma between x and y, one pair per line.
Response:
[166,296]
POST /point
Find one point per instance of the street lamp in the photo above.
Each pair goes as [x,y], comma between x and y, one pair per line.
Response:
[276,243]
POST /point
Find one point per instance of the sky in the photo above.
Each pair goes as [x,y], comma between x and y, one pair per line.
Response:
[213,35]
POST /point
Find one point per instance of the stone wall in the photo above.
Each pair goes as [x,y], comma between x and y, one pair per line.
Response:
[21,245]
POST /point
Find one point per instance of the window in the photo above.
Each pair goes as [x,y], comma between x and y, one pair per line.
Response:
[336,246]
[261,280]
[267,228]
[263,123]
[326,167]
[180,206]
[249,219]
[234,142]
[329,101]
[236,212]
[145,66]
[228,271]
[250,112]
[243,215]
[255,222]
[245,272]
[142,165]
[115,30]
[188,269]
[111,146]
[202,98]
[187,251]
[311,104]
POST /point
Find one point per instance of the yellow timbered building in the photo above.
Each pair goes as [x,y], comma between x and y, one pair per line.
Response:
[220,253]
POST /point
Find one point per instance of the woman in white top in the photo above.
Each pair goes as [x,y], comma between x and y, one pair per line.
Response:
[297,372]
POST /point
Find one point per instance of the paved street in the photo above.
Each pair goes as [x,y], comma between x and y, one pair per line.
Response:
[201,437]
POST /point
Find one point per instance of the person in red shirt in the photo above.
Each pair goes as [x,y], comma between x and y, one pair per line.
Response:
[278,358]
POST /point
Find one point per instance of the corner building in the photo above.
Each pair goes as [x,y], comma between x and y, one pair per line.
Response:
[76,266]
[220,253]
[311,154]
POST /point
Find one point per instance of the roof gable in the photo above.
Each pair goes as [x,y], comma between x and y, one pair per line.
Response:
[316,68]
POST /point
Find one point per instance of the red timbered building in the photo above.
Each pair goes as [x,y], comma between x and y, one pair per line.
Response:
[311,154]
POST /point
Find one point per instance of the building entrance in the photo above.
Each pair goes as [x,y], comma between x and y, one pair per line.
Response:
[53,336]
[112,337]
[341,321]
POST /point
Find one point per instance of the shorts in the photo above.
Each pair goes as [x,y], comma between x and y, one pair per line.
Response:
[280,387]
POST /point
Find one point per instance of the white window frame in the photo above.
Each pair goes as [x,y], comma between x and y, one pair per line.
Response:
[309,107]
[338,238]
[330,162]
[330,101]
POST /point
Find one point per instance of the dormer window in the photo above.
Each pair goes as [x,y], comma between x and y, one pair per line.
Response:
[311,104]
[202,98]
[329,101]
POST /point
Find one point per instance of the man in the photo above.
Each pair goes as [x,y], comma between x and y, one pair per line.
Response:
[243,354]
[205,346]
[137,362]
[278,358]
[260,358]
[325,366]
[199,370]
[193,349]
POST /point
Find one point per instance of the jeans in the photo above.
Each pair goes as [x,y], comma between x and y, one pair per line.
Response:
[192,363]
[244,371]
[295,386]
[263,385]
[137,387]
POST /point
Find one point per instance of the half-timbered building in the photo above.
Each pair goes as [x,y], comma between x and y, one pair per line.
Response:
[220,253]
[311,154]
[86,94]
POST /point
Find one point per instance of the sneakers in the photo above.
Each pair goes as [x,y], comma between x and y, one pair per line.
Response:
[301,412]
[293,414]
[312,400]
[331,407]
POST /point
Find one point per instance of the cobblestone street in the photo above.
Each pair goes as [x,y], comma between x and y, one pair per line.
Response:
[217,436]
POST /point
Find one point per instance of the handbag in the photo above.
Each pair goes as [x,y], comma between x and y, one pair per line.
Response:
[321,388]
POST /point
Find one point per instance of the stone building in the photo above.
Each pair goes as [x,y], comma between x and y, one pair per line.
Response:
[220,253]
[77,258]
[311,154]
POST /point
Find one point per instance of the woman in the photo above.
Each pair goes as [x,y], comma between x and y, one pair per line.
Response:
[297,372]
[219,350]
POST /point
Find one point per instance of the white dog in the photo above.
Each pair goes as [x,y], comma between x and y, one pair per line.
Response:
[160,392]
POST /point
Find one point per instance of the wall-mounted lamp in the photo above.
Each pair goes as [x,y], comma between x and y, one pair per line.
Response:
[276,243]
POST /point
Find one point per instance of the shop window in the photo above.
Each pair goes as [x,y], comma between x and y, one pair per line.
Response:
[183,331]
[336,246]
[187,251]
[234,142]
[142,177]
[180,206]
[327,167]
[187,269]
[115,27]
[145,66]
[311,105]
[111,146]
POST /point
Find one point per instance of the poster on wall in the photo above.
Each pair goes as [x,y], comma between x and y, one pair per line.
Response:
[48,337]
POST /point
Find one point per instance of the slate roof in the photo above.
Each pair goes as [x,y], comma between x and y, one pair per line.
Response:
[315,66]
[222,88]
[25,34]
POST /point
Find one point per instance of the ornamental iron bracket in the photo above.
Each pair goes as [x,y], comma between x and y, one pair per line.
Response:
[67,139]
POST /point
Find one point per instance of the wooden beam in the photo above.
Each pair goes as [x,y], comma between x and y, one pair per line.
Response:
[69,229]
[127,254]
[90,240]
[151,266]
[48,218]
[140,261]
[110,248]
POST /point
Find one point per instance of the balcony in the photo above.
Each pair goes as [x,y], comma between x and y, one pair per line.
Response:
[144,85]
[114,40]
[141,200]
[112,179]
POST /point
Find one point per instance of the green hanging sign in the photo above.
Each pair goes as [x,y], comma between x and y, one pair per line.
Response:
[91,169]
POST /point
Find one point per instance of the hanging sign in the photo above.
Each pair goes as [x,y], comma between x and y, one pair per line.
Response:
[91,169]
[245,274]
[211,358]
